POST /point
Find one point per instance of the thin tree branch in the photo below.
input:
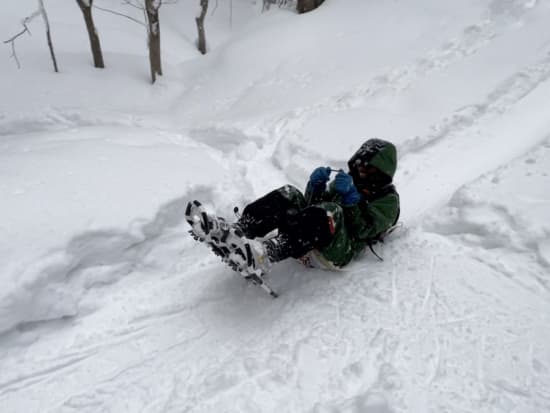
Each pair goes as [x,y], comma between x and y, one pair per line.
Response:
[129,3]
[48,33]
[120,14]
[28,19]
[214,9]
[12,39]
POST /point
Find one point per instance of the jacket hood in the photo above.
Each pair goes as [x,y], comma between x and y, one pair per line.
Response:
[378,153]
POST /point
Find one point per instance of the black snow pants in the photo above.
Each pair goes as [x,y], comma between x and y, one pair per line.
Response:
[301,228]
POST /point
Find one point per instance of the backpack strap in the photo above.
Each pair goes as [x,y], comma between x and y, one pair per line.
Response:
[380,238]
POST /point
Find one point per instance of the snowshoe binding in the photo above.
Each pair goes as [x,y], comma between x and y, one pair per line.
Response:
[245,256]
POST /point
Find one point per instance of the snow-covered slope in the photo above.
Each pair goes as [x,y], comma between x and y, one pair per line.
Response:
[107,304]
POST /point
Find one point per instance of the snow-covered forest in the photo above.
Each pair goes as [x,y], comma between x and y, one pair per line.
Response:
[108,305]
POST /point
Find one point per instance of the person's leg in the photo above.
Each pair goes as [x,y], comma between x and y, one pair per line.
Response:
[307,229]
[271,211]
[341,248]
[299,232]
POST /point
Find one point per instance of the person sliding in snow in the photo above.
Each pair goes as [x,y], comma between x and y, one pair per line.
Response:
[326,226]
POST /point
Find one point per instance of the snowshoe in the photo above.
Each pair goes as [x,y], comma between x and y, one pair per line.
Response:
[243,255]
[203,225]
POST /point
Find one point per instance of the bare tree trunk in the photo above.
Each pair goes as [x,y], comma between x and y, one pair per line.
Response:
[86,8]
[303,6]
[42,10]
[201,42]
[153,30]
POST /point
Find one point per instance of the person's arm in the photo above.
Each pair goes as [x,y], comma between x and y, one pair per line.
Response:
[378,215]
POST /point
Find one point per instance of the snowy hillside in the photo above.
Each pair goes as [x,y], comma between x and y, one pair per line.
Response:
[108,305]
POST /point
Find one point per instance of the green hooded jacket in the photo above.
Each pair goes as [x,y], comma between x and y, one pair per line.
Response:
[357,226]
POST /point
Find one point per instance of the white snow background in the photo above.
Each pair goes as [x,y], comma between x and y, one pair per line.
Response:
[108,305]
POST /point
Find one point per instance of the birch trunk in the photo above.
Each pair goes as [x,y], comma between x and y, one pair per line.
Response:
[201,42]
[153,30]
[86,8]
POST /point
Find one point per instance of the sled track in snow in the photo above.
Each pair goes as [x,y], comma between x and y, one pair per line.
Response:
[507,94]
[474,38]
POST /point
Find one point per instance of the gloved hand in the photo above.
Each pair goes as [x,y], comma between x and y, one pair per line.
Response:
[319,178]
[343,184]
